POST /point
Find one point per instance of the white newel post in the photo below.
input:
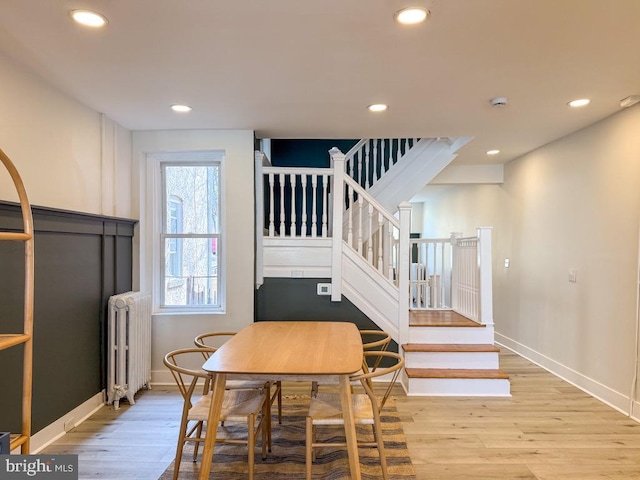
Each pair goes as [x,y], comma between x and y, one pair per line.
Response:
[455,306]
[259,213]
[337,193]
[486,275]
[404,252]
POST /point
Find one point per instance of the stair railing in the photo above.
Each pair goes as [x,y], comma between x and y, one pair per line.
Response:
[430,273]
[370,158]
[380,238]
[296,202]
[471,277]
[453,274]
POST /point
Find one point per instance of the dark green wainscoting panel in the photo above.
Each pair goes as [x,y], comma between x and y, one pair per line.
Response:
[80,260]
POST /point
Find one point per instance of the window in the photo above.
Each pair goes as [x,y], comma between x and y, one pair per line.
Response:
[190,237]
[174,248]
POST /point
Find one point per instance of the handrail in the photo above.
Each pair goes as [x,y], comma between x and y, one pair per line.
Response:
[372,201]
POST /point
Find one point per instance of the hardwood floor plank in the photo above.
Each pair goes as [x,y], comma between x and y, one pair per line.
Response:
[475,472]
[547,430]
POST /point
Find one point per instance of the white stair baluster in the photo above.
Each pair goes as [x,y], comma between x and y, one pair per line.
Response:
[282,227]
[380,236]
[391,250]
[304,179]
[365,165]
[272,219]
[374,163]
[314,206]
[370,240]
[294,183]
[325,185]
[359,218]
[349,214]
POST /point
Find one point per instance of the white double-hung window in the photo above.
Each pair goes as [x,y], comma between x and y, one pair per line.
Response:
[190,247]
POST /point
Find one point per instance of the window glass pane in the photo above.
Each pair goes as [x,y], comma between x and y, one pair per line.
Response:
[195,189]
[197,282]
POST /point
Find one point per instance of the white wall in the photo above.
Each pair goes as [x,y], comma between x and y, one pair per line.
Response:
[56,144]
[178,331]
[573,204]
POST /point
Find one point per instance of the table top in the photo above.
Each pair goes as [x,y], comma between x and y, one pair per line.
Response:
[290,348]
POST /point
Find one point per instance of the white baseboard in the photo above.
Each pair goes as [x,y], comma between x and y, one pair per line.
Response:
[55,430]
[162,377]
[614,399]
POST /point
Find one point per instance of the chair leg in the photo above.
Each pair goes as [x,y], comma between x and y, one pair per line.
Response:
[251,443]
[181,442]
[267,414]
[264,430]
[279,383]
[197,444]
[308,447]
[380,442]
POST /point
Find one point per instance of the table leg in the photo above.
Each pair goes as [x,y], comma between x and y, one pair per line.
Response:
[349,426]
[217,397]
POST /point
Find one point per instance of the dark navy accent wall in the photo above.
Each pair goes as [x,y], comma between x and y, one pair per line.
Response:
[306,153]
[80,260]
[297,299]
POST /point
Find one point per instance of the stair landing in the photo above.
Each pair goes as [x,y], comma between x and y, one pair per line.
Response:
[439,318]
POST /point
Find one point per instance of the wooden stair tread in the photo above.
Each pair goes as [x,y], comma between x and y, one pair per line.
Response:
[456,373]
[449,347]
[439,318]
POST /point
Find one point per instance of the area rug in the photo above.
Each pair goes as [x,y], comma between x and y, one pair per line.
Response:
[287,458]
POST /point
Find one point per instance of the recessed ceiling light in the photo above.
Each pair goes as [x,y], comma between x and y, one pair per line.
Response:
[493,152]
[181,108]
[581,102]
[411,15]
[89,18]
[377,107]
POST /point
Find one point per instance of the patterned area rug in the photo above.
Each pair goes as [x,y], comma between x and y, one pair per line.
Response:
[287,458]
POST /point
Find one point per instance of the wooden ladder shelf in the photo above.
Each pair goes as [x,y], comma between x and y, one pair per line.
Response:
[25,337]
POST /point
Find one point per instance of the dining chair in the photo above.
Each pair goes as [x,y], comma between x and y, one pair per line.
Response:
[212,341]
[371,340]
[239,405]
[325,407]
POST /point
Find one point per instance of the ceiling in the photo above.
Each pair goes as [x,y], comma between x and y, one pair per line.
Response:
[308,69]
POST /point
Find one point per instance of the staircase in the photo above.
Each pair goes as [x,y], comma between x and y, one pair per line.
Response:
[351,223]
[449,354]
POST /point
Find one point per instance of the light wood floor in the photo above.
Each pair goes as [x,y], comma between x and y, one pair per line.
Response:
[547,430]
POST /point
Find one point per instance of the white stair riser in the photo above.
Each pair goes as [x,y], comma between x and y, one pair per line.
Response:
[463,360]
[478,387]
[478,335]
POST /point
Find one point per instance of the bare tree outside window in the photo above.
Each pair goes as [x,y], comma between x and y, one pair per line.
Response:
[190,238]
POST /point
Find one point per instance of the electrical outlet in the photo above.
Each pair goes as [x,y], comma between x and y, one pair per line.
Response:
[324,289]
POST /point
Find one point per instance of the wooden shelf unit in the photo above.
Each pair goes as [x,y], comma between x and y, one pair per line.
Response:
[25,338]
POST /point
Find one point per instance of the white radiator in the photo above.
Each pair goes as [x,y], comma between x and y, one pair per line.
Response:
[129,346]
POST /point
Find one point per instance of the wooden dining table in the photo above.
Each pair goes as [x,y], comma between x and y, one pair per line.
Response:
[288,351]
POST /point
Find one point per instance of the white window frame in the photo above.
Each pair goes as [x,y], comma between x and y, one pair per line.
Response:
[156,206]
